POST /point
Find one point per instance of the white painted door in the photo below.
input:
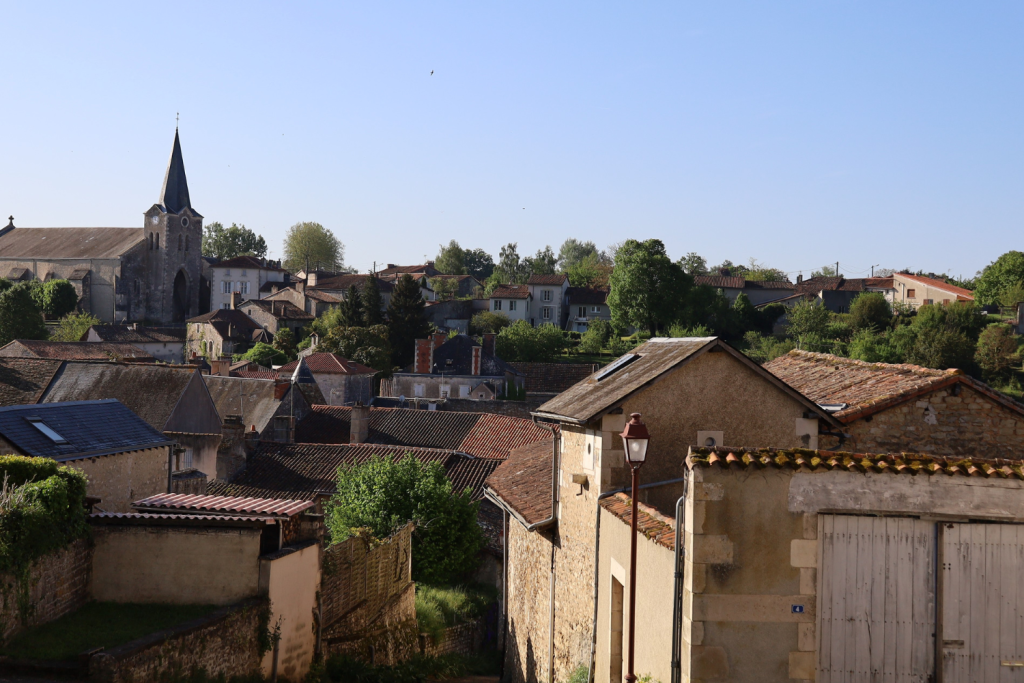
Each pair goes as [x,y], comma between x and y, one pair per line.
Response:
[982,626]
[876,600]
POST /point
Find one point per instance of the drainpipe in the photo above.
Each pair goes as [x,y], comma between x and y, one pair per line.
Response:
[677,593]
[597,559]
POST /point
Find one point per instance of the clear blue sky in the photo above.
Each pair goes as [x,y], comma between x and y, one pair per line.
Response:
[799,133]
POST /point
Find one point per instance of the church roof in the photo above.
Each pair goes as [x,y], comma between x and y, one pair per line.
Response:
[69,243]
[174,195]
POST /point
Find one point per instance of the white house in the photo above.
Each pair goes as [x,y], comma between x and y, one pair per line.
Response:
[548,292]
[512,300]
[242,274]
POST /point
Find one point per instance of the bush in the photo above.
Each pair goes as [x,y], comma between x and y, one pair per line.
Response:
[870,310]
[596,337]
[808,318]
[762,348]
[19,316]
[437,608]
[522,342]
[265,354]
[73,326]
[678,330]
[488,322]
[997,351]
[55,298]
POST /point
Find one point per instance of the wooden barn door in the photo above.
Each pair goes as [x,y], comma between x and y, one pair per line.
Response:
[982,627]
[876,600]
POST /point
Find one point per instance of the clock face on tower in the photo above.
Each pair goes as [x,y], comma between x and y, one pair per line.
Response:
[154,220]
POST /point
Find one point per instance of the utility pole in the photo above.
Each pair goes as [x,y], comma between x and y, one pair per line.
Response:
[837,268]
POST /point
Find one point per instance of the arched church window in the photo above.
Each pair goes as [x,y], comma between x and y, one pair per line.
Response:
[151,241]
[158,241]
[186,242]
[181,243]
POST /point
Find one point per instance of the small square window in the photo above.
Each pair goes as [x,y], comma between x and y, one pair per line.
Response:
[419,390]
[512,305]
[244,274]
[546,295]
[497,304]
[227,271]
[912,293]
[546,313]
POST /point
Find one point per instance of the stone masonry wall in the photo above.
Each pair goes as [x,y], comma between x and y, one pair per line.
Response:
[58,584]
[955,420]
[529,576]
[463,639]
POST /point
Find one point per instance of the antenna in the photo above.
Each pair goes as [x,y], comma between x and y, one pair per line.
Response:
[176,115]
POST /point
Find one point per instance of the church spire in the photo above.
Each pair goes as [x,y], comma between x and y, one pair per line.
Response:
[174,195]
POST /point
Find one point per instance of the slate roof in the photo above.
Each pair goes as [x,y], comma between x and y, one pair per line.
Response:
[69,243]
[322,296]
[247,262]
[328,363]
[868,388]
[586,296]
[510,292]
[174,194]
[826,461]
[483,435]
[932,282]
[523,482]
[649,522]
[427,269]
[89,428]
[241,325]
[264,507]
[305,471]
[74,350]
[282,310]
[137,335]
[23,380]
[555,279]
[253,399]
[553,378]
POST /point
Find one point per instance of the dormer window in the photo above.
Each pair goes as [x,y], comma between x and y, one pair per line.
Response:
[47,430]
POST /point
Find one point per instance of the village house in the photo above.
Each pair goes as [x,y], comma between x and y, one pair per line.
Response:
[425,270]
[465,285]
[757,291]
[269,407]
[688,390]
[341,381]
[275,315]
[513,301]
[247,275]
[165,344]
[339,284]
[584,305]
[836,293]
[888,408]
[35,348]
[459,367]
[918,290]
[548,294]
[312,301]
[122,456]
[223,332]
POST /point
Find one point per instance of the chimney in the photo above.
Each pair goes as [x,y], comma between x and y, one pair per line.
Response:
[236,299]
[221,367]
[423,357]
[477,355]
[489,344]
[280,389]
[311,279]
[438,338]
[359,428]
[391,265]
[799,278]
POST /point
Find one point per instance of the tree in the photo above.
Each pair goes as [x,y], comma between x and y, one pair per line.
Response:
[451,260]
[870,310]
[826,271]
[309,246]
[648,290]
[371,302]
[808,317]
[999,276]
[224,243]
[366,345]
[544,262]
[405,320]
[5,284]
[596,337]
[1012,295]
[284,341]
[55,298]
[942,348]
[585,272]
[694,264]
[510,269]
[19,316]
[351,309]
[73,326]
[522,342]
[264,354]
[573,252]
[385,493]
[445,287]
[488,322]
[478,263]
[997,351]
[759,272]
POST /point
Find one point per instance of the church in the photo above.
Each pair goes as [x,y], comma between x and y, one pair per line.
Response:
[149,274]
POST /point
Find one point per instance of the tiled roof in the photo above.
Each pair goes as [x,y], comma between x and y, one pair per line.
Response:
[255,374]
[282,310]
[23,380]
[255,400]
[343,282]
[824,461]
[304,471]
[329,363]
[137,335]
[274,507]
[227,315]
[523,482]
[510,292]
[246,262]
[867,388]
[940,284]
[586,296]
[553,279]
[172,519]
[392,269]
[554,378]
[734,282]
[82,428]
[651,523]
[879,282]
[483,435]
[74,350]
[322,296]
[68,243]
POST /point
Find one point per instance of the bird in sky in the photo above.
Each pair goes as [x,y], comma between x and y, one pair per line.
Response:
[431,72]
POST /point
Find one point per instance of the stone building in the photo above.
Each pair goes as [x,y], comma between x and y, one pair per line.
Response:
[151,273]
[459,367]
[274,315]
[887,408]
[342,381]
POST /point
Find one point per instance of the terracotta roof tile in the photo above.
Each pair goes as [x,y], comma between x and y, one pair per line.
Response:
[523,482]
[282,310]
[329,363]
[651,523]
[940,284]
[255,374]
[554,378]
[137,335]
[510,292]
[734,282]
[75,350]
[552,279]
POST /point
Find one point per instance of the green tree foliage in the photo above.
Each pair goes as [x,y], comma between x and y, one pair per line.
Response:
[544,262]
[870,309]
[383,494]
[999,276]
[264,354]
[941,348]
[405,320]
[478,263]
[312,246]
[573,252]
[350,309]
[808,318]
[19,316]
[997,351]
[372,302]
[511,269]
[488,322]
[224,243]
[648,290]
[73,326]
[451,259]
[284,341]
[445,287]
[586,272]
[825,271]
[5,284]
[55,298]
[521,342]
[759,272]
[694,264]
[763,348]
[366,345]
[1012,295]
[597,336]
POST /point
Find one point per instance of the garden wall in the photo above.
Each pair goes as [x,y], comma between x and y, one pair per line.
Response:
[58,584]
[463,639]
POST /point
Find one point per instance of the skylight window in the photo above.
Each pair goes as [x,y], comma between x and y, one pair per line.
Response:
[47,430]
[617,365]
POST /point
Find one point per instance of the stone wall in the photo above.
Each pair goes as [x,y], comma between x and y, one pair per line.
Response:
[121,478]
[58,584]
[463,639]
[956,420]
[226,643]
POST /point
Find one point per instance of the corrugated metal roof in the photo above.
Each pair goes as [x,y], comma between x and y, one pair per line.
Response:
[219,504]
[174,519]
[68,243]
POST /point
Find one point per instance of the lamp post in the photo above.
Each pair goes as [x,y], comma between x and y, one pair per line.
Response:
[635,439]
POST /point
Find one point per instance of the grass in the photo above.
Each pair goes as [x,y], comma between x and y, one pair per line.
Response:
[98,624]
[438,607]
[340,669]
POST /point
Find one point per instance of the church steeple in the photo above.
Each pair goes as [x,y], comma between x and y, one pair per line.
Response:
[174,196]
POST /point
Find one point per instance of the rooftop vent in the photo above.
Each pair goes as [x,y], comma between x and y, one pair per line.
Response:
[617,365]
[833,407]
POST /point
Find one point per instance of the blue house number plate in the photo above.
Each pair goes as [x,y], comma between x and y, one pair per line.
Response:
[798,609]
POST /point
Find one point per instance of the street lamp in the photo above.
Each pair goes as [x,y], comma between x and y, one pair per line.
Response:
[635,439]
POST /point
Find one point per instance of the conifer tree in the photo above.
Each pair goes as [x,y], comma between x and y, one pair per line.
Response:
[405,319]
[371,302]
[351,309]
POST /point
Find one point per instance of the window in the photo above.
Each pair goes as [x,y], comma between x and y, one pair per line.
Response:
[929,302]
[225,307]
[464,391]
[244,274]
[244,287]
[945,301]
[512,305]
[181,243]
[226,287]
[186,242]
[158,241]
[911,293]
[445,390]
[546,313]
[227,271]
[281,429]
[581,312]
[184,459]
[497,304]
[151,241]
[419,390]
[45,429]
[545,295]
[595,309]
